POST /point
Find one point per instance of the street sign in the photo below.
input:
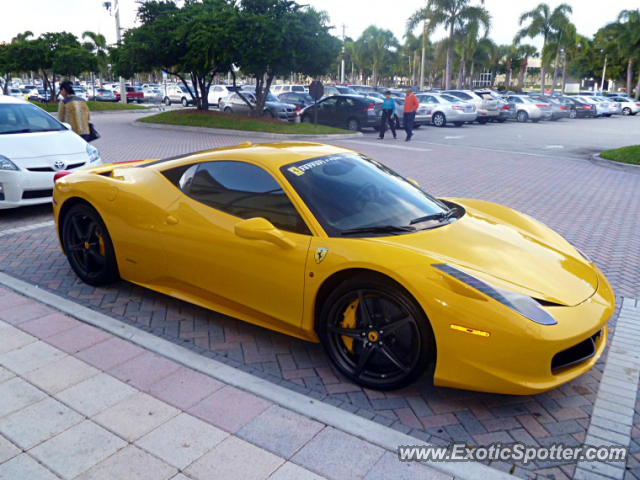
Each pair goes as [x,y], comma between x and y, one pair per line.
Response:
[316,90]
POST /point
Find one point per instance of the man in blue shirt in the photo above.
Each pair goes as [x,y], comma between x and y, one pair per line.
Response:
[388,115]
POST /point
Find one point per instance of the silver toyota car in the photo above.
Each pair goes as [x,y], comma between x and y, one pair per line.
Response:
[443,109]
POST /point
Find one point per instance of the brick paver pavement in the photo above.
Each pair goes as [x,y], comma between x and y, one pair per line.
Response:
[594,207]
[77,402]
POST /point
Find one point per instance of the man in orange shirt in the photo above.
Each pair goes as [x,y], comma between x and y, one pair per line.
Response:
[411,105]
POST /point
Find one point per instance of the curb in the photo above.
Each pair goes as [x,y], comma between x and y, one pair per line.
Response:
[627,167]
[359,427]
[243,133]
[112,112]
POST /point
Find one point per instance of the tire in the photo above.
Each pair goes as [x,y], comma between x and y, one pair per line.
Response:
[88,246]
[608,115]
[482,121]
[353,124]
[573,114]
[458,124]
[306,119]
[626,111]
[167,101]
[184,102]
[228,110]
[268,114]
[395,317]
[139,101]
[522,116]
[501,120]
[439,120]
[416,127]
[536,120]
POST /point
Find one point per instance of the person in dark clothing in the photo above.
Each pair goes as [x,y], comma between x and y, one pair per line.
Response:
[388,115]
[411,105]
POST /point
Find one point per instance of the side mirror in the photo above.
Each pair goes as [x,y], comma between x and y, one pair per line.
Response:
[262,229]
[413,181]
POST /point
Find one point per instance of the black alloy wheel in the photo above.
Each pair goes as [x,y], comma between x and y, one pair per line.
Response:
[88,246]
[376,334]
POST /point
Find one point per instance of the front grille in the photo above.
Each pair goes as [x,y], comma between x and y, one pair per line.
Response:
[37,194]
[51,169]
[576,354]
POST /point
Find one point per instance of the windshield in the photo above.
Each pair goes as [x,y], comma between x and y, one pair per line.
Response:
[350,191]
[26,119]
[347,91]
[297,88]
[452,99]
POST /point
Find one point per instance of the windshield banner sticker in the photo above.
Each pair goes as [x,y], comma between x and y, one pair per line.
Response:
[299,170]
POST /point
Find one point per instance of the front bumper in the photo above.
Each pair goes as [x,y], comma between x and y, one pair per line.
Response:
[517,356]
[561,114]
[28,187]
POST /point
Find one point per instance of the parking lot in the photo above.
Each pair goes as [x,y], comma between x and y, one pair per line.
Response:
[541,169]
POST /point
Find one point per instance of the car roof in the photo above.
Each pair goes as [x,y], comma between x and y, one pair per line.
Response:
[9,99]
[269,155]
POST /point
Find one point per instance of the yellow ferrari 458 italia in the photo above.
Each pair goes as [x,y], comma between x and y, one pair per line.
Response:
[326,244]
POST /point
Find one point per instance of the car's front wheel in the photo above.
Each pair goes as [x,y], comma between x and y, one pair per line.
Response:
[228,110]
[573,114]
[184,102]
[626,111]
[353,124]
[522,116]
[167,101]
[88,246]
[439,120]
[376,334]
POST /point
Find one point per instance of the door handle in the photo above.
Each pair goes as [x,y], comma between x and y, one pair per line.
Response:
[171,220]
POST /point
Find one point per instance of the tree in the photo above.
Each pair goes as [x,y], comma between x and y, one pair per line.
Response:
[7,64]
[627,28]
[543,21]
[378,43]
[525,52]
[565,34]
[421,17]
[453,14]
[99,48]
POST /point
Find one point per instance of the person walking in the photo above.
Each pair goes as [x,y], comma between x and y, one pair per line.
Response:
[411,105]
[74,110]
[388,115]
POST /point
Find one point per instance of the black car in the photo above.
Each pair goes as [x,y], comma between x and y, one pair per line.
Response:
[302,100]
[577,108]
[353,112]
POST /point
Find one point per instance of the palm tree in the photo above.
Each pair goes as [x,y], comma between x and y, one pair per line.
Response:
[378,42]
[543,21]
[629,42]
[525,52]
[26,35]
[571,51]
[452,14]
[99,46]
[565,34]
[510,55]
[421,17]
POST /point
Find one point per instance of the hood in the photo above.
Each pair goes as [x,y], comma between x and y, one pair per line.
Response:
[43,144]
[509,250]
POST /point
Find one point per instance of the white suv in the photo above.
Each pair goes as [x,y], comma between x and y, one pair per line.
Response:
[217,93]
[278,89]
[487,107]
[178,94]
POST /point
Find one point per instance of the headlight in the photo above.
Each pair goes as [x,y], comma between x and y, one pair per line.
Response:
[6,164]
[525,306]
[94,154]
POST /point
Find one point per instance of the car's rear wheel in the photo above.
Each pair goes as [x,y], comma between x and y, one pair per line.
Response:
[439,120]
[353,124]
[535,120]
[522,116]
[626,111]
[88,246]
[167,101]
[184,102]
[501,120]
[376,334]
[573,114]
[228,110]
[267,113]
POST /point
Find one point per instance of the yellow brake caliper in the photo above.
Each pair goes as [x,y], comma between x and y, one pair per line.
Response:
[349,321]
[101,244]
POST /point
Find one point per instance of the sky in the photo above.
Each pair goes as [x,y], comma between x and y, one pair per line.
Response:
[76,16]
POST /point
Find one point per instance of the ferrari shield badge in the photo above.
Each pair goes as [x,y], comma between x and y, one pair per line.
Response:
[320,254]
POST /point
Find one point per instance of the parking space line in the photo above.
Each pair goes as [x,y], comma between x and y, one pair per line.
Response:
[26,228]
[383,145]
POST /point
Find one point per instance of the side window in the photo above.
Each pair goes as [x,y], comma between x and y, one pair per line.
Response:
[328,103]
[242,190]
[346,103]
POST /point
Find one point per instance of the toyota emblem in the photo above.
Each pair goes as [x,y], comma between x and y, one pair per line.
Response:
[58,165]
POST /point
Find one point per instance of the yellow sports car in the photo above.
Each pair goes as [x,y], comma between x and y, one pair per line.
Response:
[326,244]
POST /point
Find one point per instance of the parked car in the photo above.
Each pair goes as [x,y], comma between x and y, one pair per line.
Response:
[134,94]
[344,90]
[278,89]
[559,109]
[602,108]
[422,114]
[218,92]
[273,107]
[178,94]
[616,94]
[486,106]
[34,146]
[353,112]
[362,88]
[330,90]
[530,108]
[578,108]
[506,111]
[16,93]
[104,95]
[441,110]
[377,95]
[152,94]
[613,108]
[628,105]
[302,100]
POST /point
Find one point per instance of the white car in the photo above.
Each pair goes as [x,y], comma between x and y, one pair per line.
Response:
[152,95]
[602,108]
[442,110]
[16,93]
[278,89]
[33,147]
[628,105]
[218,93]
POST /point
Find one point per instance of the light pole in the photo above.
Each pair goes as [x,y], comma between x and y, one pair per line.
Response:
[424,54]
[342,70]
[604,71]
[116,12]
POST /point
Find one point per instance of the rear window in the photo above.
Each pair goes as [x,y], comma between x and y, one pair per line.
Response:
[485,96]
[297,88]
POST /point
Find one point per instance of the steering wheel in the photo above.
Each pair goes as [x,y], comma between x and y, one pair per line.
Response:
[367,193]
